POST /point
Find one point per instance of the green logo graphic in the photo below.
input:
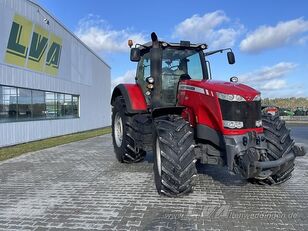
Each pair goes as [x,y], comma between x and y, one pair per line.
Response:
[41,54]
[14,46]
[53,55]
[38,47]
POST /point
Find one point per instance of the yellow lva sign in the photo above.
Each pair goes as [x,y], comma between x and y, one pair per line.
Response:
[33,47]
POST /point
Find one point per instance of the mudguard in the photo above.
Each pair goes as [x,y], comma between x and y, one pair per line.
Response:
[133,96]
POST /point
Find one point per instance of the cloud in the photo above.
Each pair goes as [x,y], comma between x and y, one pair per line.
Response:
[275,84]
[128,77]
[278,70]
[267,37]
[303,40]
[285,93]
[271,80]
[99,36]
[208,28]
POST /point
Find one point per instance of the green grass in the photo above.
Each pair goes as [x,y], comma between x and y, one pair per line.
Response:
[16,150]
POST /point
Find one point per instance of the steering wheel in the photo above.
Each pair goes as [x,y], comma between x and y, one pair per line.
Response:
[174,68]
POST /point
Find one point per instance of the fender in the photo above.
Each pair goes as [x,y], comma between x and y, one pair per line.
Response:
[133,96]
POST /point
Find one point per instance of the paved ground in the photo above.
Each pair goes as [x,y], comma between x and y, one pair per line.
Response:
[81,186]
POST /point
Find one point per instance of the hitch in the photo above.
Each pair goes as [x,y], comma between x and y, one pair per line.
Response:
[262,169]
[274,163]
[300,150]
[266,166]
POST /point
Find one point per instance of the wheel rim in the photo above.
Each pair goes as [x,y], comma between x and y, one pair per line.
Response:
[158,157]
[118,130]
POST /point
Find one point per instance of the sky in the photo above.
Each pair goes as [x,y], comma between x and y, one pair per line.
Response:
[269,38]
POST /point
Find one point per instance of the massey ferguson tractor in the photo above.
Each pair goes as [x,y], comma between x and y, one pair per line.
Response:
[177,111]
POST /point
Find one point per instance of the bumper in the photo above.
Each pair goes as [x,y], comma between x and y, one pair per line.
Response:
[297,151]
[244,153]
[263,165]
[244,149]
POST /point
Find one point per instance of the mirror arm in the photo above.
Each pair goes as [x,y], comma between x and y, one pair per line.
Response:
[217,51]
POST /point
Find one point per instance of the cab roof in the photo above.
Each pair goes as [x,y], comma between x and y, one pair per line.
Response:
[183,44]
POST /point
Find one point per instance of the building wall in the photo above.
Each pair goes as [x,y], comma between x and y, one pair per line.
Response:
[80,72]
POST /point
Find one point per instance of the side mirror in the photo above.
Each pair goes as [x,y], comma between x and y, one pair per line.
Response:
[231,58]
[135,55]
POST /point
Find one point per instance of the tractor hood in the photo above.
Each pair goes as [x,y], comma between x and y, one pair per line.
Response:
[229,88]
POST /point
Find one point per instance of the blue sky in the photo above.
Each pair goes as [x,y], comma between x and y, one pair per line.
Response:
[269,38]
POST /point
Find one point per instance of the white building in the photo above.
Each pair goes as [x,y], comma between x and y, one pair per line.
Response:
[51,83]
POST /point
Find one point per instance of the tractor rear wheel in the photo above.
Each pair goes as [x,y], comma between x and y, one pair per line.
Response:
[279,142]
[174,156]
[122,142]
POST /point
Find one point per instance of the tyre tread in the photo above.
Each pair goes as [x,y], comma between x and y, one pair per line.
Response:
[178,168]
[279,143]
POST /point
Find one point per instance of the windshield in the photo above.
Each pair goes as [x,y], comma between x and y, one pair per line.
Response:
[185,61]
[178,64]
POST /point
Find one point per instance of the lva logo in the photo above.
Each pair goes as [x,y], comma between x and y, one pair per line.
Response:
[33,47]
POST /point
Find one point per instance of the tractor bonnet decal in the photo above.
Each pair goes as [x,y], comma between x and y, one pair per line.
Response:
[191,88]
[185,87]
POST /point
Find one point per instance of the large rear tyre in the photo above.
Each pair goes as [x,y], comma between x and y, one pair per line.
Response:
[122,142]
[174,156]
[279,143]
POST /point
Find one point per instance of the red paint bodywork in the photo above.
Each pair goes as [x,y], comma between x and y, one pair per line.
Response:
[136,97]
[200,108]
[205,109]
[272,110]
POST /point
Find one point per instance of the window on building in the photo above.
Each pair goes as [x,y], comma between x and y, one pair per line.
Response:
[51,104]
[21,104]
[38,104]
[68,105]
[75,106]
[60,105]
[24,104]
[8,103]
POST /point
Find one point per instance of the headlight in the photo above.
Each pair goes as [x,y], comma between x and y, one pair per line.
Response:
[233,124]
[259,123]
[203,46]
[150,79]
[257,98]
[150,86]
[228,97]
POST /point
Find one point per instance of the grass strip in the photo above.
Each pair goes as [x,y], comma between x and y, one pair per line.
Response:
[19,149]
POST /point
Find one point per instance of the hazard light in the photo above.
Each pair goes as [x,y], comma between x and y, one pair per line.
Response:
[130,43]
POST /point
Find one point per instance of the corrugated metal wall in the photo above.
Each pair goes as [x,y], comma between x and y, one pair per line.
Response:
[80,72]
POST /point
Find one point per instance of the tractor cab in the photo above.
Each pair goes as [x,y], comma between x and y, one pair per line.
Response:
[162,65]
[176,63]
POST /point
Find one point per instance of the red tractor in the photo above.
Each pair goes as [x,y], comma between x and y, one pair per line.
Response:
[175,110]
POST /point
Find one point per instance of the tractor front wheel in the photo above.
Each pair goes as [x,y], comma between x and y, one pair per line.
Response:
[174,156]
[279,142]
[122,142]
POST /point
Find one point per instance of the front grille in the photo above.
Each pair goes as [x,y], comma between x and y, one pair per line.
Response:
[247,112]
